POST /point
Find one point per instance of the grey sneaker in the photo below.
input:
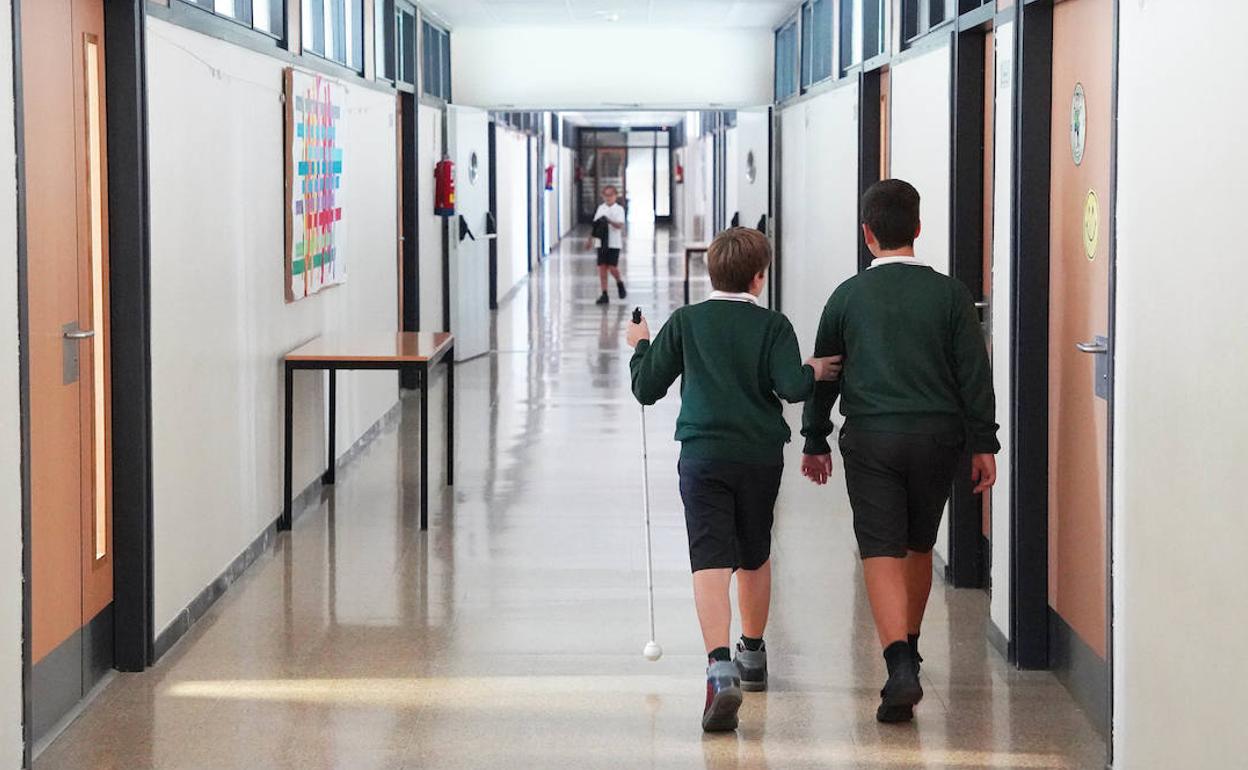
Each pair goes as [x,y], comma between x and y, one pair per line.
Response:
[723,697]
[752,667]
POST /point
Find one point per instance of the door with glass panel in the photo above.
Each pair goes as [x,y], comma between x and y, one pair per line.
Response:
[71,571]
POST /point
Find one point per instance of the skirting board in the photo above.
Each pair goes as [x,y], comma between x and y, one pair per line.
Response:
[1083,672]
[999,642]
[200,605]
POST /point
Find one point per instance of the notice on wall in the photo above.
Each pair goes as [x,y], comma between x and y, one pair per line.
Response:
[315,110]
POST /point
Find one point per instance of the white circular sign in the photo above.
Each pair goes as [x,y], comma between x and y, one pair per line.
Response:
[1078,124]
[473,167]
[751,167]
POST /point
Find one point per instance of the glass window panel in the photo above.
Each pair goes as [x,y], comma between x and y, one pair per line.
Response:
[822,20]
[446,66]
[95,183]
[808,29]
[314,26]
[385,24]
[407,47]
[427,58]
[227,8]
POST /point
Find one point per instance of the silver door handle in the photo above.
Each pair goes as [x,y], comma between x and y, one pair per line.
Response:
[80,334]
[1095,348]
[981,305]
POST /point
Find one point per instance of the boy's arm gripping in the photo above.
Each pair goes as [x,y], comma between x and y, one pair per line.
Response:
[791,379]
[973,373]
[656,365]
[817,415]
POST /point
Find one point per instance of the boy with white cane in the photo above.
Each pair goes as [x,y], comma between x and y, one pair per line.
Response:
[737,361]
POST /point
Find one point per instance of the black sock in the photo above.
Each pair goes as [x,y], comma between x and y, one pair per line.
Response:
[913,639]
[753,645]
[896,653]
[720,653]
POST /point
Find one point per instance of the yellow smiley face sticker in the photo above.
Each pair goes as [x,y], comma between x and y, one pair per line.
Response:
[1091,225]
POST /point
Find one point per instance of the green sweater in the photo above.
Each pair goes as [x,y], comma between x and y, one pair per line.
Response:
[735,359]
[915,359]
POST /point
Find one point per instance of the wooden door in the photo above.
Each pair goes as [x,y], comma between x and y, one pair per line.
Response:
[1079,315]
[67,293]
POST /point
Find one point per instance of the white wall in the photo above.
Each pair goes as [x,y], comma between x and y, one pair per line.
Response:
[566,67]
[567,190]
[511,149]
[919,146]
[428,152]
[1002,281]
[1181,425]
[695,192]
[10,421]
[753,133]
[819,205]
[220,322]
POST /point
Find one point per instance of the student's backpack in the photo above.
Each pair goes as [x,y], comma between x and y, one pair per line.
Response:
[601,229]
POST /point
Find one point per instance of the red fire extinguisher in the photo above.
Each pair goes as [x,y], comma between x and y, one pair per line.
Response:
[550,177]
[680,174]
[444,188]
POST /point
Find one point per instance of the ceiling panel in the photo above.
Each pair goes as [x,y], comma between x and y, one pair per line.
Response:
[665,13]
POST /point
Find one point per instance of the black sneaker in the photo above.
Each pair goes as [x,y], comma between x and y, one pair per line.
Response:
[902,691]
[604,299]
[620,286]
[752,667]
[723,697]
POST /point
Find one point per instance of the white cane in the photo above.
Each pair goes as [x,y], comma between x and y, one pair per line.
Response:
[652,651]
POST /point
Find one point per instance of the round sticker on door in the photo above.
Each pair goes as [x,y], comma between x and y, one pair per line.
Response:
[751,167]
[473,167]
[1078,124]
[1091,225]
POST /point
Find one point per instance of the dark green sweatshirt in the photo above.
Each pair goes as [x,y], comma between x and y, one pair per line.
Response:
[735,359]
[915,359]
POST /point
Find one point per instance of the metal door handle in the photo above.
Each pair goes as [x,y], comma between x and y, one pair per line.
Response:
[80,334]
[981,305]
[1095,348]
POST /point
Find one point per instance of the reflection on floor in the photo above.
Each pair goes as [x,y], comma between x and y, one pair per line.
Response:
[510,634]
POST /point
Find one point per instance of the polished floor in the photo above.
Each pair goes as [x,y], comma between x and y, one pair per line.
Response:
[510,634]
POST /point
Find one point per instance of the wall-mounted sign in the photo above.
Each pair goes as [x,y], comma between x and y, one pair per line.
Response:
[751,168]
[1078,124]
[473,168]
[1091,224]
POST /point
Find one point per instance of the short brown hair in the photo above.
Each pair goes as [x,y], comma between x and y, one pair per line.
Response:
[735,257]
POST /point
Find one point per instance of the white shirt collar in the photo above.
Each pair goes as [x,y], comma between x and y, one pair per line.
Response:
[881,261]
[743,296]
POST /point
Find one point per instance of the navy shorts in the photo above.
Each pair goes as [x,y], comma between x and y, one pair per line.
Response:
[898,485]
[608,257]
[729,509]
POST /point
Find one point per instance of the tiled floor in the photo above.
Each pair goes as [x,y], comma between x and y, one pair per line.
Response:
[510,634]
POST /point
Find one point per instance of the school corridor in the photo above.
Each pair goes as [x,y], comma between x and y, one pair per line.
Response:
[510,633]
[317,444]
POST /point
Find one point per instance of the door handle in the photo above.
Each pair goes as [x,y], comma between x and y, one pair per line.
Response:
[80,334]
[1093,348]
[982,305]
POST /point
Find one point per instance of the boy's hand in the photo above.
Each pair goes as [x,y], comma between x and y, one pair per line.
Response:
[817,468]
[983,472]
[589,244]
[638,332]
[827,369]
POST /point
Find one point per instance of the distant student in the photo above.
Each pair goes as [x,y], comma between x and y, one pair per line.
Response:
[916,393]
[737,361]
[609,232]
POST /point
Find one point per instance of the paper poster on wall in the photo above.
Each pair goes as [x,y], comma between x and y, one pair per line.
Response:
[315,133]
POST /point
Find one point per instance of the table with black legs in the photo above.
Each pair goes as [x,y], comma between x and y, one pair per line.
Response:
[404,351]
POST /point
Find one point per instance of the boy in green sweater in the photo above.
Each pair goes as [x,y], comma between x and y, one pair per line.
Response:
[735,359]
[916,393]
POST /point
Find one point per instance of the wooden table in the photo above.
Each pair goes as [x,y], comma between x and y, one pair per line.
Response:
[416,351]
[689,252]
